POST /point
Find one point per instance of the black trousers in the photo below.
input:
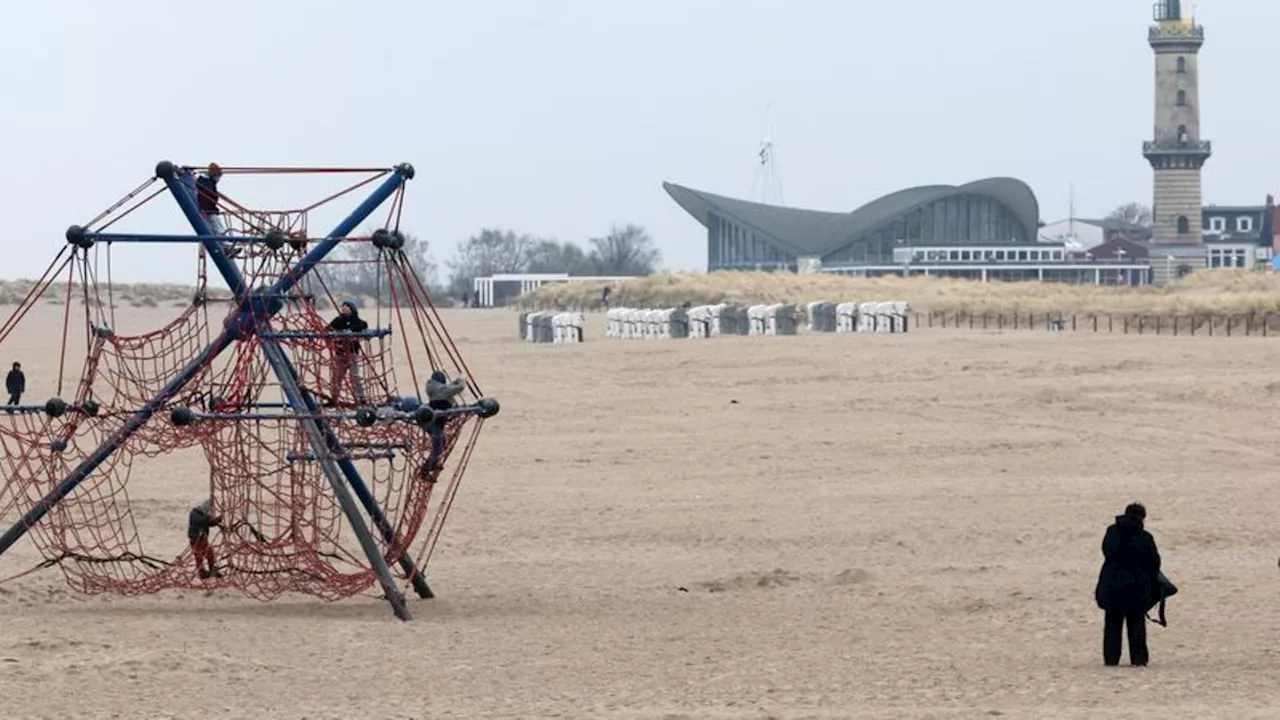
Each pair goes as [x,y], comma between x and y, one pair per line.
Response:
[1136,623]
[15,398]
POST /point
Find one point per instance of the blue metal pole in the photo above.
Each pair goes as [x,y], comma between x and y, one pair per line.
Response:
[366,499]
[363,455]
[140,418]
[313,335]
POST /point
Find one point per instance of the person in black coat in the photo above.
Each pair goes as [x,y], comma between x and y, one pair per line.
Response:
[1127,585]
[346,351]
[16,383]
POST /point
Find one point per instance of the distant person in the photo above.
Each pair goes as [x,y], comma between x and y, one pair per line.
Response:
[346,351]
[466,300]
[199,521]
[1128,585]
[604,296]
[16,383]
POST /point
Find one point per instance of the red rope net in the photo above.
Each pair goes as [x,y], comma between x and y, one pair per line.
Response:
[282,528]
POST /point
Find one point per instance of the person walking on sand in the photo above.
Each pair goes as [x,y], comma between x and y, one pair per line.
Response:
[16,383]
[1128,585]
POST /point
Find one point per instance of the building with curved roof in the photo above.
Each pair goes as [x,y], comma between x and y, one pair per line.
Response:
[991,213]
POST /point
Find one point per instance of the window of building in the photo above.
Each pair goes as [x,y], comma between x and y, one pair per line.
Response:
[1182,98]
[1217,224]
[1183,225]
[1182,64]
[1227,257]
[1244,223]
[1182,133]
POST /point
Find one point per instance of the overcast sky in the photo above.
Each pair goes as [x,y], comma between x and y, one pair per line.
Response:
[560,117]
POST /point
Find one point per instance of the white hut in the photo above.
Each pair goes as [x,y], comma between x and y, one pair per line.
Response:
[822,316]
[568,327]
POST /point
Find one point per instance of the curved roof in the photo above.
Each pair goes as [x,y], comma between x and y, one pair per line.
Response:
[816,232]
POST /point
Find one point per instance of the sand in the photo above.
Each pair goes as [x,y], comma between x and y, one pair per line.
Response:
[815,526]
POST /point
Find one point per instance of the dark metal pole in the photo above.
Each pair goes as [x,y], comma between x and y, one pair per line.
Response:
[293,393]
[361,490]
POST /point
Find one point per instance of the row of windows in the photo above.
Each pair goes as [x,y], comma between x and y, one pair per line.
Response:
[1227,257]
[1244,223]
[1182,99]
[731,245]
[960,220]
[987,255]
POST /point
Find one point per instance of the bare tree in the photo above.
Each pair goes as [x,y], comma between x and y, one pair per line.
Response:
[1133,214]
[418,254]
[490,252]
[625,250]
[359,268]
[549,256]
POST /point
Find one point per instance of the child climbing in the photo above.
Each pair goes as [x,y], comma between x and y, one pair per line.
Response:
[346,351]
[199,520]
[441,392]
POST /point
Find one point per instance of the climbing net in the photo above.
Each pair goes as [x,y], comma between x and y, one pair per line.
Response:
[282,416]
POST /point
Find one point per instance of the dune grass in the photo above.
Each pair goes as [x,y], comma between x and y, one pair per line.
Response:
[12,292]
[135,295]
[1206,292]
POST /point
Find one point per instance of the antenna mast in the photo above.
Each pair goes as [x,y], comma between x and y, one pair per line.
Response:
[1071,211]
[767,168]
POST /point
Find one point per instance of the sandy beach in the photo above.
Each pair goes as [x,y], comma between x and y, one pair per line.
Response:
[880,526]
